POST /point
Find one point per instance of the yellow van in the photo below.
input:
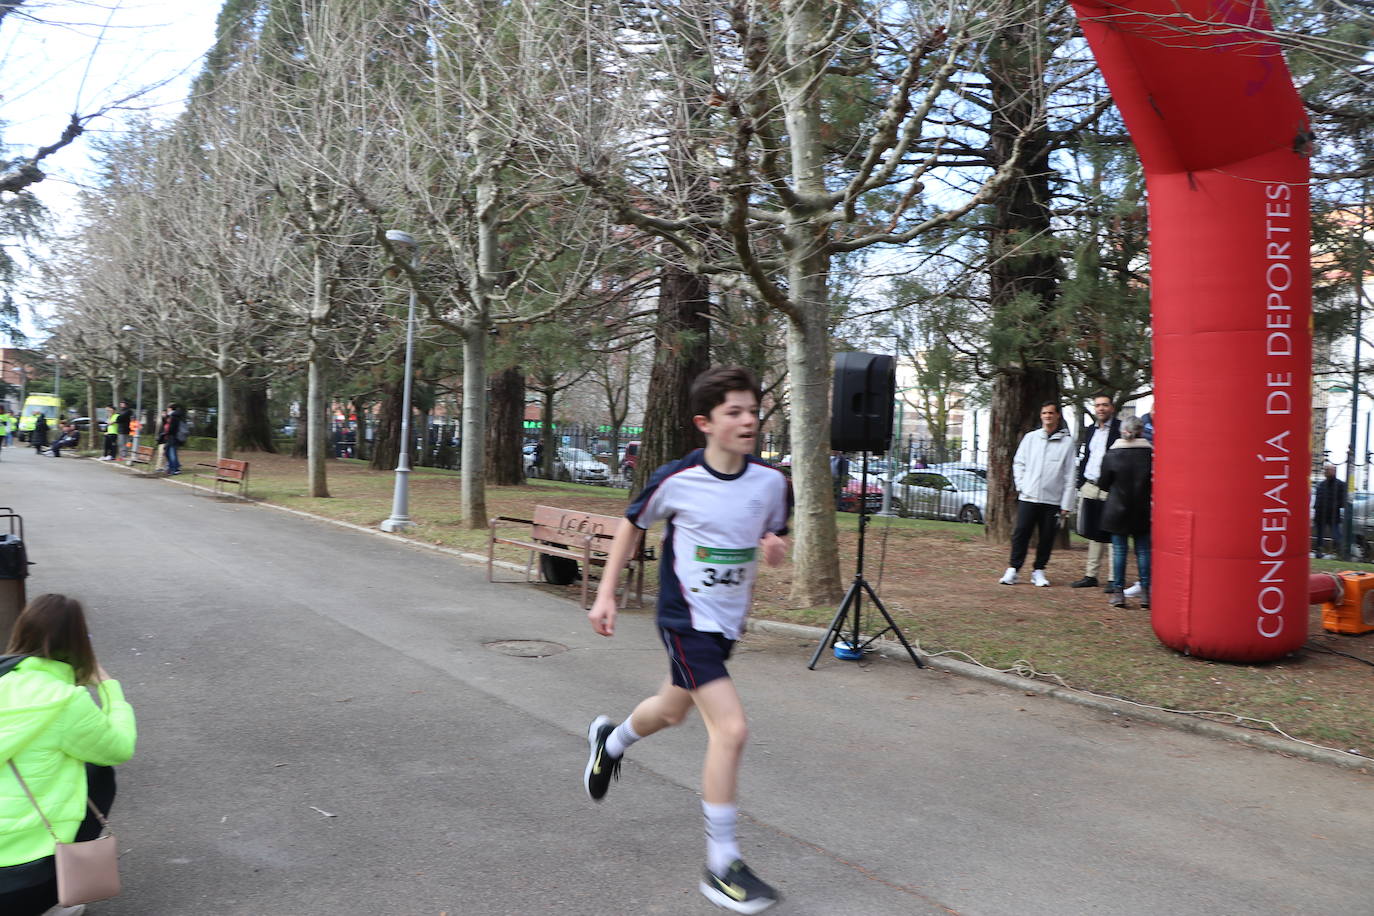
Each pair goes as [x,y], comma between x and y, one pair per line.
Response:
[47,403]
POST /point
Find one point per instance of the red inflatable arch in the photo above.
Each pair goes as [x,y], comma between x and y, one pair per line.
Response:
[1223,138]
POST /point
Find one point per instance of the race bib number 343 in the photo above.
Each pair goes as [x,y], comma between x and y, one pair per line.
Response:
[719,566]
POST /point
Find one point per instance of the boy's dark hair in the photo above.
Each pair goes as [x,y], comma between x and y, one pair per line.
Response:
[711,387]
[1054,404]
[54,626]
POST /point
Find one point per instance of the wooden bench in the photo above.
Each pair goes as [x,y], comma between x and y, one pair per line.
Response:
[143,454]
[563,538]
[225,471]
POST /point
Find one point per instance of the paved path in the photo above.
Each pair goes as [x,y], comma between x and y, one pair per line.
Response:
[283,667]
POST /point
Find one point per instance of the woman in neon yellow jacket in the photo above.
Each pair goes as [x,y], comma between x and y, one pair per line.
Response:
[51,729]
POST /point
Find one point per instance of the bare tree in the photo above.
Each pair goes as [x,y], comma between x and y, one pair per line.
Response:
[797,186]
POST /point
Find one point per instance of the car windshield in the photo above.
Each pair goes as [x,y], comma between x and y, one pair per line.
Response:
[576,456]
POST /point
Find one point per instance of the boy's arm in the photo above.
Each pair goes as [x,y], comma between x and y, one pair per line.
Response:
[604,610]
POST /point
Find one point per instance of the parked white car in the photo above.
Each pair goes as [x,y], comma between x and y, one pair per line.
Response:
[954,495]
[575,465]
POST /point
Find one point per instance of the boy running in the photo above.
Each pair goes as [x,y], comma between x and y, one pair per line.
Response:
[722,506]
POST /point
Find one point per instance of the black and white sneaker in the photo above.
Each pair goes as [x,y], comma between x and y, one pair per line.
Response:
[739,889]
[600,765]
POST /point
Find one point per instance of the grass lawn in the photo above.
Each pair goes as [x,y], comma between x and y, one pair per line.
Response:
[939,581]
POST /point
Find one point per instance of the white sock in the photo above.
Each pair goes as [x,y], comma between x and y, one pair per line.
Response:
[620,739]
[721,846]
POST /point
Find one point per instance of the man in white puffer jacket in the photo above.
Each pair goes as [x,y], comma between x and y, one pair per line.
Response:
[1043,470]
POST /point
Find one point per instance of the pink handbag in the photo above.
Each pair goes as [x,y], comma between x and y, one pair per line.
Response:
[86,871]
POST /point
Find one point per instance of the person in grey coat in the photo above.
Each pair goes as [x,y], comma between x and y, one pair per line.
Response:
[1043,470]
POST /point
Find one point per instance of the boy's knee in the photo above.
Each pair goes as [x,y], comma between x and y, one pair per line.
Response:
[732,732]
[673,716]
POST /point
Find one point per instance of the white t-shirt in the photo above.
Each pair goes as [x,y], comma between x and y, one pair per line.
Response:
[710,548]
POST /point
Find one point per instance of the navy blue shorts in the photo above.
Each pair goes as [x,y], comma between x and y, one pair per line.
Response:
[696,658]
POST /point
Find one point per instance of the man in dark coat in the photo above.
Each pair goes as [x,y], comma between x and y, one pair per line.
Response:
[1328,504]
[1101,436]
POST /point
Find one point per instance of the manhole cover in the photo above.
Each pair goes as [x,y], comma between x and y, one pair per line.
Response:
[526,648]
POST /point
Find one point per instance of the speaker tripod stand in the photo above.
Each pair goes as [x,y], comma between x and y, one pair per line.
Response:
[853,599]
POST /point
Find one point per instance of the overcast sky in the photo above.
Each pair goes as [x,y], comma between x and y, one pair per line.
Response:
[82,56]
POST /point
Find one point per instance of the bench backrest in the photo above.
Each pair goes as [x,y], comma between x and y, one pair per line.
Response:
[231,468]
[561,526]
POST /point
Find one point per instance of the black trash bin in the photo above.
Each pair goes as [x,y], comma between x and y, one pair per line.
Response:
[14,570]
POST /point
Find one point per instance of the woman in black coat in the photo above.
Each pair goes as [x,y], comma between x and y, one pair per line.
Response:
[39,437]
[1126,476]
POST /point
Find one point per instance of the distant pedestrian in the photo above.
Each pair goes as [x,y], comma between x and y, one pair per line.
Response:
[839,475]
[1043,470]
[173,434]
[111,438]
[1126,476]
[1327,505]
[123,427]
[7,424]
[38,438]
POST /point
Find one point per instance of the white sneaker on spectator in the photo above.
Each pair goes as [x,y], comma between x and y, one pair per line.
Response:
[1009,577]
[1038,578]
[1133,591]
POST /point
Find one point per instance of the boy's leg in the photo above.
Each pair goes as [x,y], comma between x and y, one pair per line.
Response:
[726,733]
[728,882]
[608,742]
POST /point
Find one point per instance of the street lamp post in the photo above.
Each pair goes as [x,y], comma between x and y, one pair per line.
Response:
[400,499]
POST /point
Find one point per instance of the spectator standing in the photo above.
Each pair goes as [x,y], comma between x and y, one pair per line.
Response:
[1327,505]
[1091,497]
[123,426]
[111,435]
[39,437]
[7,424]
[1126,476]
[1043,471]
[173,435]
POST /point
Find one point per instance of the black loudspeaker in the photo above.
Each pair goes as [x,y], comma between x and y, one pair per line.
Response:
[861,409]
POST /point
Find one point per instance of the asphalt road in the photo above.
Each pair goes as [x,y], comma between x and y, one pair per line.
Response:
[326,728]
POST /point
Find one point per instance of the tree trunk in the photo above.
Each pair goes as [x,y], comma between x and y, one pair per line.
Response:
[473,475]
[1016,400]
[1024,267]
[386,436]
[251,429]
[805,245]
[91,408]
[360,443]
[317,428]
[682,336]
[816,557]
[505,435]
[224,447]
